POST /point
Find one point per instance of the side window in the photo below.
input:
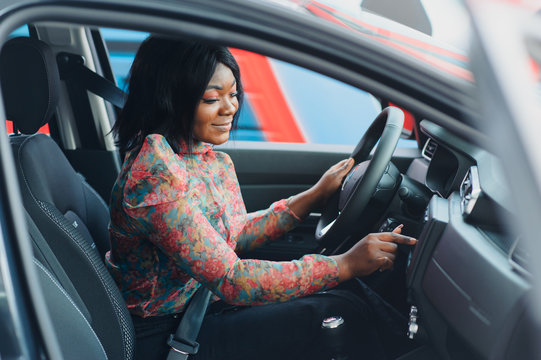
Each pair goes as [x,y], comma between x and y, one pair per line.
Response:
[284,102]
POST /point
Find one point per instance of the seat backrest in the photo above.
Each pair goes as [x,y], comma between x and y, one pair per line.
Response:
[70,215]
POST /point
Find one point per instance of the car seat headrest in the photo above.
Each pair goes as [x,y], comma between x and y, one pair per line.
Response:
[30,80]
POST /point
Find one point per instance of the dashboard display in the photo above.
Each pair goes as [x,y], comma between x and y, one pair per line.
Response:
[442,172]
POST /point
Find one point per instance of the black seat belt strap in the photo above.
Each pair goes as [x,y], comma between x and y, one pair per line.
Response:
[183,343]
[72,68]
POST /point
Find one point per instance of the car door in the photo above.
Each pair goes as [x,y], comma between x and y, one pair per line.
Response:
[507,61]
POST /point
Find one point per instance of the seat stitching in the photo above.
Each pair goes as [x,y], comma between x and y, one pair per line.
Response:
[107,290]
[53,280]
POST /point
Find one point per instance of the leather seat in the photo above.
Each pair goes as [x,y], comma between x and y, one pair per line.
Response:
[67,212]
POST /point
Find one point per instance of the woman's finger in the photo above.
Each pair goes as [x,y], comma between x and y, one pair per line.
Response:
[344,169]
[341,165]
[385,263]
[388,246]
[348,164]
[397,238]
[389,255]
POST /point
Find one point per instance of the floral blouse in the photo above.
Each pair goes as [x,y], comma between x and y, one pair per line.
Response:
[178,222]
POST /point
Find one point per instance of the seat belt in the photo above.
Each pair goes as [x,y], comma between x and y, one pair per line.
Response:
[72,68]
[183,342]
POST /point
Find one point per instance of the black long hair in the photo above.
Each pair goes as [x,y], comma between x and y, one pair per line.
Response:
[167,79]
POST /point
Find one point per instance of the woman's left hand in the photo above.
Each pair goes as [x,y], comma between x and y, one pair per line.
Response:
[318,195]
[331,180]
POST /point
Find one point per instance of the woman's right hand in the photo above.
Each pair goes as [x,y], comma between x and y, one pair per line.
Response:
[373,252]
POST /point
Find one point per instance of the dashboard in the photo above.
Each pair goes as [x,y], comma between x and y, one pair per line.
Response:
[466,278]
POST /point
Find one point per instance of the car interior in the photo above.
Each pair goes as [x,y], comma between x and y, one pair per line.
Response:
[463,287]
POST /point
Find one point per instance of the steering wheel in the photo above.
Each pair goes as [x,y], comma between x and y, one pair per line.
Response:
[343,210]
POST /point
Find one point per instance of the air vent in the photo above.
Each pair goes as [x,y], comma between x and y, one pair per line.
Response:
[470,191]
[429,149]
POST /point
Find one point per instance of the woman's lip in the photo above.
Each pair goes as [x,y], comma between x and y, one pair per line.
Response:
[223,127]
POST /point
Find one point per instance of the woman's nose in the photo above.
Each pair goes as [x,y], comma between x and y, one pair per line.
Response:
[230,106]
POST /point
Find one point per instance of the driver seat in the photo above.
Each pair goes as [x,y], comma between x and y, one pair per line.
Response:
[67,212]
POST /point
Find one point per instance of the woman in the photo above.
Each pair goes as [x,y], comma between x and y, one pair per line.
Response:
[178,221]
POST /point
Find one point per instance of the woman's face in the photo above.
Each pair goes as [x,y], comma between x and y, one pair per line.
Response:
[214,114]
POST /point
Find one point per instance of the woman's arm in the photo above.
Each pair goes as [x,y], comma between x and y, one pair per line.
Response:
[186,236]
[264,225]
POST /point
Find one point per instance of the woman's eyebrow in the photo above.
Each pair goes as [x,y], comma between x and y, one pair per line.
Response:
[218,87]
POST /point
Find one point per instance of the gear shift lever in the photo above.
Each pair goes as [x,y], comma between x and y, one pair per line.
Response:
[333,330]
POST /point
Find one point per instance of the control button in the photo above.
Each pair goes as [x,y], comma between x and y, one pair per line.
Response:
[413,327]
[389,225]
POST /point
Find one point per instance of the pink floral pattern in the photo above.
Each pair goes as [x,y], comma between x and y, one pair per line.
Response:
[178,221]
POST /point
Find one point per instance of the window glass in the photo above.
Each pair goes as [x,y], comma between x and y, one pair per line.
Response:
[284,102]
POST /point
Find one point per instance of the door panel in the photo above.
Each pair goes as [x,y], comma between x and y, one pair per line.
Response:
[268,172]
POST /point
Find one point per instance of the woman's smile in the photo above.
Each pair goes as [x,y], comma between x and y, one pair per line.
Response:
[225,127]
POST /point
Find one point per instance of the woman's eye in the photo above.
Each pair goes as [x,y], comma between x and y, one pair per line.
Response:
[209,101]
[234,94]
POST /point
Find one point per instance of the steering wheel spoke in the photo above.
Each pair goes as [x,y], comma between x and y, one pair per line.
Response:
[326,228]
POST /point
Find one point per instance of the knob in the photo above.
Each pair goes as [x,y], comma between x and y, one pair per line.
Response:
[413,328]
[414,195]
[334,336]
[332,322]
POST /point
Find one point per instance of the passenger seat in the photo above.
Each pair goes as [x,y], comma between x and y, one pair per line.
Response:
[66,211]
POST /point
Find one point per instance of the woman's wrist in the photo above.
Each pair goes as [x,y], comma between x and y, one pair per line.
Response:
[344,271]
[305,202]
[318,198]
